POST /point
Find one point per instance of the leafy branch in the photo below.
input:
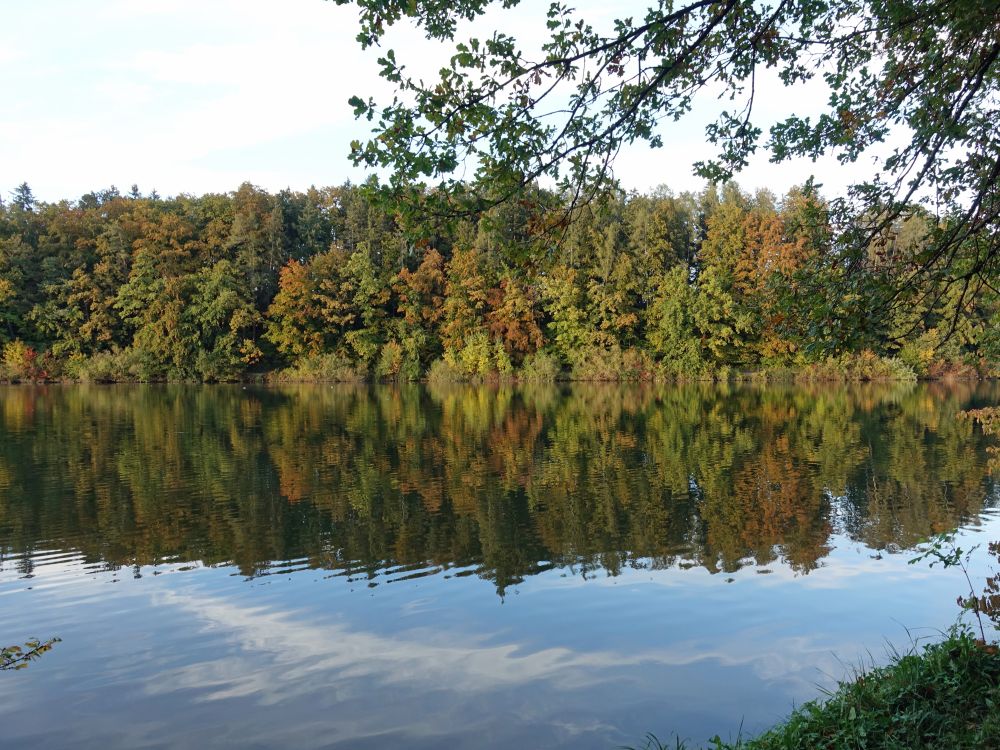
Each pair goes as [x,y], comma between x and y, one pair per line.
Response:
[18,657]
[943,549]
[926,69]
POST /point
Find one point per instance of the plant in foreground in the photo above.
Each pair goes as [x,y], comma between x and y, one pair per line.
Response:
[943,549]
[946,695]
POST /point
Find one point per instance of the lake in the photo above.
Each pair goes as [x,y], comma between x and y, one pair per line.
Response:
[469,566]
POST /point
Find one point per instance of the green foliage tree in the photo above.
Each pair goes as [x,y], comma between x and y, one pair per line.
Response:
[511,115]
[672,333]
[569,330]
[226,321]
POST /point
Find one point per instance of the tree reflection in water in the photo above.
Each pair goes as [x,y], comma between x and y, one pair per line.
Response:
[502,481]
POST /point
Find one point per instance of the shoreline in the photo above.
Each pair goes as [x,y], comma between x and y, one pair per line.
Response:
[941,696]
[282,377]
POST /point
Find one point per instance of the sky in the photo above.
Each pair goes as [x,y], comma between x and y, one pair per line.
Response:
[195,96]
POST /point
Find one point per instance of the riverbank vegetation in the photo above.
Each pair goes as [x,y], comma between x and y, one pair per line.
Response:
[328,284]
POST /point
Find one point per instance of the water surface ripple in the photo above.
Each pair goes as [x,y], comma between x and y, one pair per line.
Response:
[467,567]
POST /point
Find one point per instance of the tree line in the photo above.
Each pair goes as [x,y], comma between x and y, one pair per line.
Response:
[333,284]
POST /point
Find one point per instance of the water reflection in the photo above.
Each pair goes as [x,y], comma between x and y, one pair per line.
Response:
[384,483]
[216,559]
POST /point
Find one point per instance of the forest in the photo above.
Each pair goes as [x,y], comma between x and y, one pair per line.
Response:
[334,284]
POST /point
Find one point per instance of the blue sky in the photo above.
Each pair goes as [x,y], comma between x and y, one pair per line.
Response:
[200,95]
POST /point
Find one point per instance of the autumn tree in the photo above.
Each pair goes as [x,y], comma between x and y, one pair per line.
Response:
[420,294]
[513,318]
[466,297]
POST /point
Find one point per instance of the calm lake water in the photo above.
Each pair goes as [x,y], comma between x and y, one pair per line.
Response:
[468,567]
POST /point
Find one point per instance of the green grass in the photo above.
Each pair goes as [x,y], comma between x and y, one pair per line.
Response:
[945,696]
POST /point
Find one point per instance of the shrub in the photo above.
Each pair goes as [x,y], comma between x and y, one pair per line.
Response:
[332,368]
[475,358]
[117,366]
[410,369]
[390,362]
[596,364]
[218,366]
[478,359]
[686,366]
[933,355]
[864,366]
[944,697]
[637,365]
[673,370]
[504,367]
[442,371]
[918,353]
[20,362]
[49,366]
[541,366]
[613,365]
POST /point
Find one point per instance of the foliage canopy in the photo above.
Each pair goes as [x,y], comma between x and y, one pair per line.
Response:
[912,85]
[328,284]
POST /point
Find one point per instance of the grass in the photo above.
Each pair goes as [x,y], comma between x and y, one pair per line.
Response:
[946,695]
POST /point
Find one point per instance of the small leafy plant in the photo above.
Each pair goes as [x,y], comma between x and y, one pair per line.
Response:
[18,657]
[943,549]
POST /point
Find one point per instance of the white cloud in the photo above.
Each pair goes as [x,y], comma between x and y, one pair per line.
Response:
[283,654]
